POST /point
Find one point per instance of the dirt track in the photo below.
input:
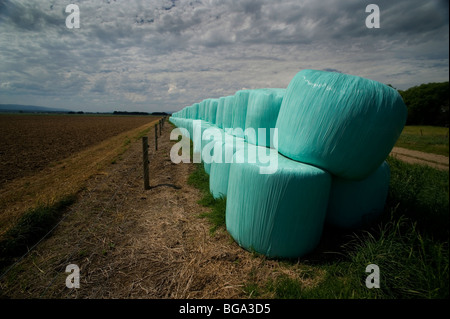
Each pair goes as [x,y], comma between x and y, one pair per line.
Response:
[415,157]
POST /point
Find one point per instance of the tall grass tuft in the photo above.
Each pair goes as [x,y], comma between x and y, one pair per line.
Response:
[200,179]
[420,193]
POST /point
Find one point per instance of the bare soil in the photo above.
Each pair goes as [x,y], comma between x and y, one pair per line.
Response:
[29,143]
[415,157]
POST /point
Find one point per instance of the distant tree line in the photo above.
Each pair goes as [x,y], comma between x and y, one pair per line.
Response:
[428,104]
[129,113]
[138,113]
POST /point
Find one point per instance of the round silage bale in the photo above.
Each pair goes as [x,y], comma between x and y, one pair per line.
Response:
[219,171]
[228,106]
[219,113]
[355,204]
[239,112]
[213,111]
[280,214]
[343,123]
[262,113]
[193,111]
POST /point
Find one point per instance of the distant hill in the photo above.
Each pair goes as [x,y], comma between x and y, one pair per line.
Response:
[30,108]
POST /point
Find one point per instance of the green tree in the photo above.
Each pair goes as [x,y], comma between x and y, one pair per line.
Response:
[428,104]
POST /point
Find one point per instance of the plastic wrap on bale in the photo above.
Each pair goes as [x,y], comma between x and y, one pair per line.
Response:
[219,113]
[219,171]
[195,111]
[198,127]
[356,204]
[210,136]
[262,113]
[343,123]
[213,111]
[240,112]
[280,215]
[228,106]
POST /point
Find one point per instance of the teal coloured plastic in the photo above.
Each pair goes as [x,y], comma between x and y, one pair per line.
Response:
[356,204]
[201,110]
[228,106]
[343,123]
[280,214]
[218,179]
[193,112]
[262,113]
[213,111]
[219,113]
[210,144]
[240,112]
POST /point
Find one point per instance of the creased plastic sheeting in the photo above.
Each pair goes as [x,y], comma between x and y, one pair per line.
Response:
[262,113]
[280,214]
[218,178]
[228,106]
[240,112]
[345,124]
[219,113]
[193,111]
[210,136]
[355,204]
[198,127]
[213,111]
[209,149]
[201,110]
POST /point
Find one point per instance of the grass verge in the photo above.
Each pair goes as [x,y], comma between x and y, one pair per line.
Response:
[428,139]
[200,179]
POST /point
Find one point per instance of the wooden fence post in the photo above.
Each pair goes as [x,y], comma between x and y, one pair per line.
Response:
[145,162]
[156,137]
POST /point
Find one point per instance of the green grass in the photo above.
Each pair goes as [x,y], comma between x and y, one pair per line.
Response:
[429,139]
[30,228]
[216,215]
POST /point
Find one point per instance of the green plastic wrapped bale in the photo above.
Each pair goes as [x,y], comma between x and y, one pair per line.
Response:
[198,127]
[356,204]
[219,113]
[228,106]
[193,111]
[343,123]
[240,112]
[262,114]
[202,110]
[213,111]
[210,145]
[219,171]
[280,215]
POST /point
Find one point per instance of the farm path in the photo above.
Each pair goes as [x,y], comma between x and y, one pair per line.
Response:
[134,243]
[415,157]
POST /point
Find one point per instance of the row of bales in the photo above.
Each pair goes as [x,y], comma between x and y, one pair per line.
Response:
[327,135]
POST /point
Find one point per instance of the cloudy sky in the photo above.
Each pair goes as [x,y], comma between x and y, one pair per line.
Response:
[162,55]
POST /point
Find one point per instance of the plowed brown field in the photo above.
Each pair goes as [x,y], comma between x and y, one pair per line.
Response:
[28,143]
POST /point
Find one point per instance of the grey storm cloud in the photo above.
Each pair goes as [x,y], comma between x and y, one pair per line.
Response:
[166,54]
